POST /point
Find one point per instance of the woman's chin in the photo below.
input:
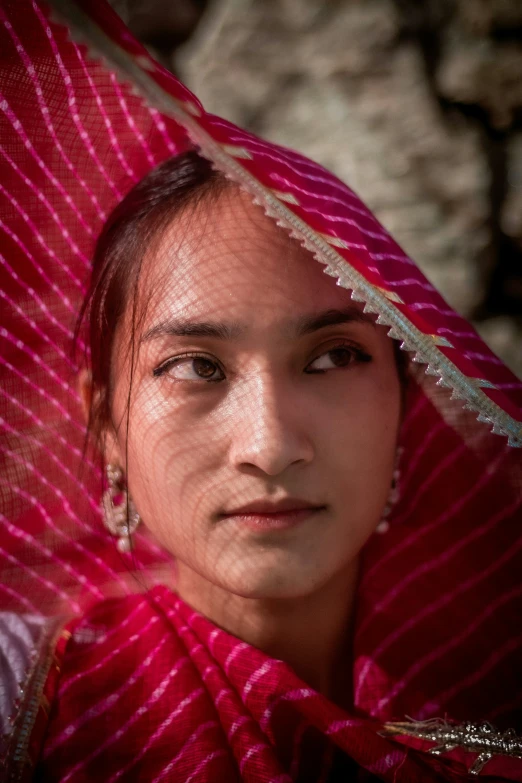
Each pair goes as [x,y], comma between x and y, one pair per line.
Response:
[273,583]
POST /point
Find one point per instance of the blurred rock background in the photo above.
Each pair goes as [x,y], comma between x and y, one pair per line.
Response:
[417,104]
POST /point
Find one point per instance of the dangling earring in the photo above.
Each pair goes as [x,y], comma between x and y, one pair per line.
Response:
[119,512]
[394,495]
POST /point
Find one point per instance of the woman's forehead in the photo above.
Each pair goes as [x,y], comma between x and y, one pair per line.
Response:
[227,256]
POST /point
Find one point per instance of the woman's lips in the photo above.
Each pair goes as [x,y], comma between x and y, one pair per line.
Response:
[278,519]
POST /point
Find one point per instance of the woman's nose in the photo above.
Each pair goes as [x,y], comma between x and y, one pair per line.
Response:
[271,431]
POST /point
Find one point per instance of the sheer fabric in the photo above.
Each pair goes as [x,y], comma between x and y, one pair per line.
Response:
[437,631]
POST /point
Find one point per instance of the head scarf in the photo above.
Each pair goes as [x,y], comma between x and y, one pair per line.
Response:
[84,116]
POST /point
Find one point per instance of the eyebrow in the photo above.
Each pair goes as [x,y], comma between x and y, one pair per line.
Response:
[229,331]
[312,323]
[182,328]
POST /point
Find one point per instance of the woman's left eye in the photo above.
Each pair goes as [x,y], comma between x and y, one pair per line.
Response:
[337,358]
[190,368]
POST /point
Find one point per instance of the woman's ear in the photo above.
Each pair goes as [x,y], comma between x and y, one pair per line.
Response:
[85,392]
[107,440]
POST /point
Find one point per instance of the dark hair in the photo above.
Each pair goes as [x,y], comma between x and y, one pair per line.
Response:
[175,185]
[139,219]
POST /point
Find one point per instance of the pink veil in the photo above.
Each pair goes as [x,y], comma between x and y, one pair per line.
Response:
[83,118]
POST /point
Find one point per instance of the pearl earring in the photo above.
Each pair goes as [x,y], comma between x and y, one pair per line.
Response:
[393,497]
[119,512]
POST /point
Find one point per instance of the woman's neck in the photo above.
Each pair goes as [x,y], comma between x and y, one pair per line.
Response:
[312,633]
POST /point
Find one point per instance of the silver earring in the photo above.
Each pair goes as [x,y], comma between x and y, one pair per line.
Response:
[393,497]
[119,512]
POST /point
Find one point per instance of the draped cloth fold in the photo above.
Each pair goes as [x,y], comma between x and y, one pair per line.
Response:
[85,113]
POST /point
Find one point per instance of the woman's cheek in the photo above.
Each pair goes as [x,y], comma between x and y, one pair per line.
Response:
[168,474]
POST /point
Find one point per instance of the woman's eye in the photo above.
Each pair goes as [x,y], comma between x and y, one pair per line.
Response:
[191,368]
[337,357]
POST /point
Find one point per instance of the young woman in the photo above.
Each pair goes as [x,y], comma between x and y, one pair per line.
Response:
[313,572]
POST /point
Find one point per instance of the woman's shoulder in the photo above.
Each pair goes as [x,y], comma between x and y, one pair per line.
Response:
[119,660]
[47,661]
[119,623]
[107,640]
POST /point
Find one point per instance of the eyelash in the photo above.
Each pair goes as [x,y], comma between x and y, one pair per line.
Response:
[359,355]
[166,366]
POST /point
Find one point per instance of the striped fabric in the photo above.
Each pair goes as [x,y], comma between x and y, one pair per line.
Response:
[178,699]
[439,603]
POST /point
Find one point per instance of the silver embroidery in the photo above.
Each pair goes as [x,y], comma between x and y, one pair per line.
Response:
[480,738]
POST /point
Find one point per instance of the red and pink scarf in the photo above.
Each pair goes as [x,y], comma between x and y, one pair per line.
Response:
[148,690]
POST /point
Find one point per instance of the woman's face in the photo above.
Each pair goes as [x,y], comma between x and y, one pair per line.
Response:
[259,386]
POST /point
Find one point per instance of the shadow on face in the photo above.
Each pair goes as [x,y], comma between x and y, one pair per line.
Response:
[255,382]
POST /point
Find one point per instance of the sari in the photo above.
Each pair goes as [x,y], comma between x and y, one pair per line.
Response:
[108,674]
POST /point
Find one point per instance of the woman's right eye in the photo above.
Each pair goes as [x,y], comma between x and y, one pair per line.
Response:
[190,368]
